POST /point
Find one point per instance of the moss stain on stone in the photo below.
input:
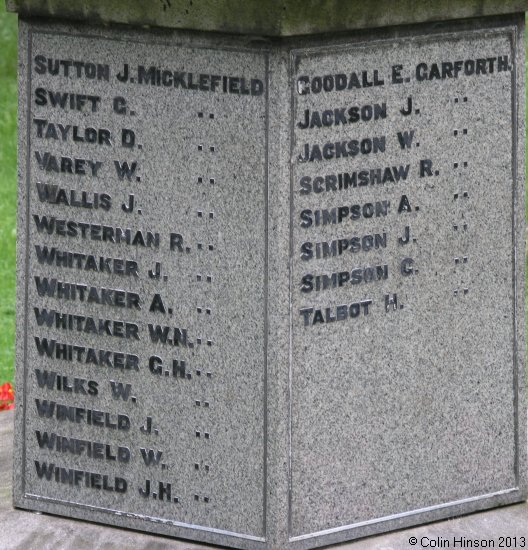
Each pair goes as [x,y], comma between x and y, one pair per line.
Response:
[264,17]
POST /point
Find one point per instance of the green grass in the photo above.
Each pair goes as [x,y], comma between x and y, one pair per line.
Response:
[8,186]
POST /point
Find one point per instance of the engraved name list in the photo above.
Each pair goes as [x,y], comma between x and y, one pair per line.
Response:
[135,328]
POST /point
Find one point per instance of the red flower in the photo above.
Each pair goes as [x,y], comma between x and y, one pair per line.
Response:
[7,397]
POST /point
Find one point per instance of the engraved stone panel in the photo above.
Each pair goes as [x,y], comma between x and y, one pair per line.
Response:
[403,277]
[145,318]
[270,292]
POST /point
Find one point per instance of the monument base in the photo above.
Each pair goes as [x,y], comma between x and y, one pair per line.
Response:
[22,529]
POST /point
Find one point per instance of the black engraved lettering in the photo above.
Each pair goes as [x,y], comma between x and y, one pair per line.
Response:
[120,390]
[342,115]
[168,335]
[349,180]
[344,312]
[125,170]
[53,194]
[86,262]
[96,232]
[337,247]
[71,69]
[67,165]
[461,68]
[52,380]
[342,149]
[81,447]
[405,139]
[340,214]
[57,131]
[81,415]
[426,168]
[86,324]
[369,274]
[90,356]
[339,82]
[151,457]
[54,288]
[80,478]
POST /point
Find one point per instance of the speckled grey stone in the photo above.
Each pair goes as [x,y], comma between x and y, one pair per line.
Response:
[407,408]
[283,415]
[26,530]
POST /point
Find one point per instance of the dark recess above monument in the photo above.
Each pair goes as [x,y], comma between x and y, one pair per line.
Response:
[270,18]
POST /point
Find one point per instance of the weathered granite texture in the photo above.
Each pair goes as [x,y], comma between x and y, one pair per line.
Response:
[295,315]
[266,17]
[26,530]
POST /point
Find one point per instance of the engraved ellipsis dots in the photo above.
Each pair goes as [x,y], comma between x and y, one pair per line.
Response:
[201,341]
[458,292]
[204,213]
[460,263]
[201,146]
[460,197]
[207,374]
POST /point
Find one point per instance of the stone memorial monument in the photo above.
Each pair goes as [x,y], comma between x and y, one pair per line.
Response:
[270,265]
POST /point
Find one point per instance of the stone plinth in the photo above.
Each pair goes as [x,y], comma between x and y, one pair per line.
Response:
[270,290]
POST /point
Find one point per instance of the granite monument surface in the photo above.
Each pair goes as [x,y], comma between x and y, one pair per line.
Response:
[270,291]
